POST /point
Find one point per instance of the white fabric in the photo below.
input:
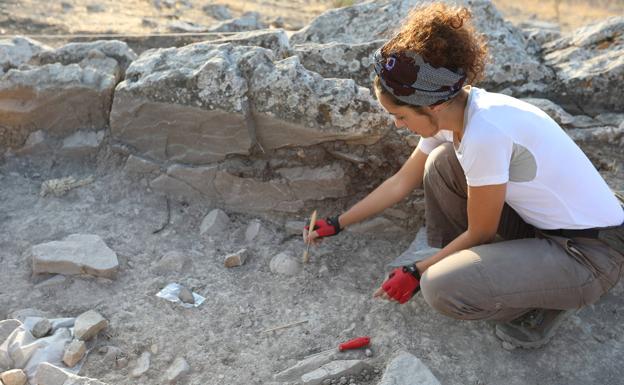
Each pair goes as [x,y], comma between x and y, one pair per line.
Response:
[22,350]
[567,191]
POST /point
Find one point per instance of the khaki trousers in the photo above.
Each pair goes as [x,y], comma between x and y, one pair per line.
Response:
[503,280]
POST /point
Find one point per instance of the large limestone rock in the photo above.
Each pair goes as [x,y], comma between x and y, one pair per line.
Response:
[203,102]
[589,64]
[314,184]
[186,104]
[243,194]
[274,39]
[407,369]
[285,193]
[17,51]
[333,370]
[511,65]
[76,52]
[75,254]
[341,60]
[61,91]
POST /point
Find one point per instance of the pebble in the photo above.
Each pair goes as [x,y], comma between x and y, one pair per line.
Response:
[235,259]
[343,380]
[368,353]
[41,328]
[186,295]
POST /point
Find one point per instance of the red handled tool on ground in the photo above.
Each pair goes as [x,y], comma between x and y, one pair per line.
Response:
[356,343]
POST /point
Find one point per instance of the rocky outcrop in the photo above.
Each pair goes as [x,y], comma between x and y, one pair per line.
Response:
[201,107]
[274,39]
[17,51]
[340,60]
[60,91]
[510,65]
[589,64]
[77,52]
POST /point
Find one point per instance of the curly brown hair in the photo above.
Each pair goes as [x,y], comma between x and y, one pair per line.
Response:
[444,37]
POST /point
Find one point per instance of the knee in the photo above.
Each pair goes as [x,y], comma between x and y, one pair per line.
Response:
[454,288]
[436,290]
[438,160]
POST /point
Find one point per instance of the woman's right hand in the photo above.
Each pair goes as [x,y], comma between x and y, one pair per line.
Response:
[322,228]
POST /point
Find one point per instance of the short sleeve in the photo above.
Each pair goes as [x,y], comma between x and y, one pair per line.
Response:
[426,145]
[486,155]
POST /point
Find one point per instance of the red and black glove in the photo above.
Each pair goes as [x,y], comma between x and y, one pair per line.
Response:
[326,227]
[402,283]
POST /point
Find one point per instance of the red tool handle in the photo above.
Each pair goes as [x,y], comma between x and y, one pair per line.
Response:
[355,343]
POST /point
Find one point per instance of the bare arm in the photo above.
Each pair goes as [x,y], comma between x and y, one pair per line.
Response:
[391,191]
[485,204]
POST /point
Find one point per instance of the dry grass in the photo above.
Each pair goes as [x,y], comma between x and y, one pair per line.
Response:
[569,14]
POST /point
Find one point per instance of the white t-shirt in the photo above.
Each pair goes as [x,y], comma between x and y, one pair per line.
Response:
[551,184]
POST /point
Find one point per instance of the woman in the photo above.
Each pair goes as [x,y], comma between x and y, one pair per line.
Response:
[489,164]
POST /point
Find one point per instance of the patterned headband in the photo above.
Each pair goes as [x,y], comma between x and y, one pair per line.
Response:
[413,81]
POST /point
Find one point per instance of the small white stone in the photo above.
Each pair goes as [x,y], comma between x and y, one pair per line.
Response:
[284,263]
[252,231]
[142,366]
[178,368]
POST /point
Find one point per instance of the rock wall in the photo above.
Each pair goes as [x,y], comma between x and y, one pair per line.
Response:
[57,92]
[258,122]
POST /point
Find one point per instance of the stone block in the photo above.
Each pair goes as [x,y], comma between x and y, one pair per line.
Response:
[407,369]
[89,324]
[214,223]
[13,377]
[74,352]
[333,369]
[75,254]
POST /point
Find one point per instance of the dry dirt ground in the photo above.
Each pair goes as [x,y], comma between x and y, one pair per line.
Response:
[222,339]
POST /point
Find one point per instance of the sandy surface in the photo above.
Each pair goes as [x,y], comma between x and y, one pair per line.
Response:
[222,339]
